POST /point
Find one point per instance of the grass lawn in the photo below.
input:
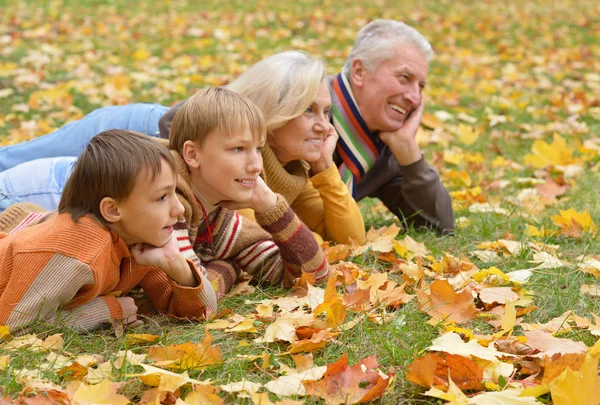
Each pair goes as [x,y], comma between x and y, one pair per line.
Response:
[506,78]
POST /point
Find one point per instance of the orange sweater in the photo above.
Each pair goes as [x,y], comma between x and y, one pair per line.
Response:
[76,271]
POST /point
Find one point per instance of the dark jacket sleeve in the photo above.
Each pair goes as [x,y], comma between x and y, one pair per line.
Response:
[164,124]
[414,193]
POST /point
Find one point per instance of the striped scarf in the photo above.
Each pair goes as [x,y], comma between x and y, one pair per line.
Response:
[357,146]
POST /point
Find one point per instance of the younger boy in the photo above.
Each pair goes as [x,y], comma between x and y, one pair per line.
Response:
[114,231]
[216,138]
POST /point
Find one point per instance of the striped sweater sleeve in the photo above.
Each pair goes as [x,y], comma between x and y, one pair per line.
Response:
[278,248]
[34,295]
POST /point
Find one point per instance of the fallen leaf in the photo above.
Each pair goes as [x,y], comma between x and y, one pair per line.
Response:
[187,356]
[102,393]
[549,345]
[444,303]
[433,370]
[581,387]
[342,384]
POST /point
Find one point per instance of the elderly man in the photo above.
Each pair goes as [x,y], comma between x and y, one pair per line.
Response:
[377,107]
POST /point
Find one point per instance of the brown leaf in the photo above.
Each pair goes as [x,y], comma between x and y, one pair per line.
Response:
[527,367]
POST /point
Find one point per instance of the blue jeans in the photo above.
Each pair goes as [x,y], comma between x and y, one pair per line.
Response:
[71,139]
[39,181]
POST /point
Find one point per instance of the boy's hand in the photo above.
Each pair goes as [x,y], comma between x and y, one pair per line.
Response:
[168,259]
[129,311]
[263,199]
[326,160]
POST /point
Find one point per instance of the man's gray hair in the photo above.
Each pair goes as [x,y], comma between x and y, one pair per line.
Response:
[376,40]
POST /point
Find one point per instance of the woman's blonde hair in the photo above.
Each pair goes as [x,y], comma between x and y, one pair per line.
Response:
[282,86]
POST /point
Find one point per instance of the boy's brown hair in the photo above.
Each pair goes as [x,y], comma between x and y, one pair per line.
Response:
[214,109]
[108,167]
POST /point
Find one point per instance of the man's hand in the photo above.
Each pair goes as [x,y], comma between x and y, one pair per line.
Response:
[263,199]
[168,259]
[403,142]
[326,159]
[129,311]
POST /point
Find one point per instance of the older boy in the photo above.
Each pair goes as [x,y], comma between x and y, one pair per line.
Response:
[113,231]
[215,141]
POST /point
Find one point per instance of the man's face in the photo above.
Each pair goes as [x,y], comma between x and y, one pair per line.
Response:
[150,211]
[388,95]
[228,166]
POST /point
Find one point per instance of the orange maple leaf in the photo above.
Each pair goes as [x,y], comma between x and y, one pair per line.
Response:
[343,384]
[433,370]
[444,303]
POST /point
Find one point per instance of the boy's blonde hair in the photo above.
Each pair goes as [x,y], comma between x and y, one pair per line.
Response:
[214,109]
[283,86]
[109,167]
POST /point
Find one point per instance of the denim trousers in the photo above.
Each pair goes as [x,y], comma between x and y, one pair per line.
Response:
[71,139]
[37,170]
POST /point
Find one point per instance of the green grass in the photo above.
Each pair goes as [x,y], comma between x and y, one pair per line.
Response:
[551,46]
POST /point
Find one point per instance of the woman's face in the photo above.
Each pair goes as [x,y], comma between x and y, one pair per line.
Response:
[302,137]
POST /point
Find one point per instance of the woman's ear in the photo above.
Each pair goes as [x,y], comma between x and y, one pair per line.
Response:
[109,209]
[357,71]
[190,154]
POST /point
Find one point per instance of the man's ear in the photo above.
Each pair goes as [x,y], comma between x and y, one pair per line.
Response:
[357,73]
[109,209]
[190,154]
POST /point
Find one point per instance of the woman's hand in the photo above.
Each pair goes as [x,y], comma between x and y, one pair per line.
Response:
[168,258]
[263,199]
[326,160]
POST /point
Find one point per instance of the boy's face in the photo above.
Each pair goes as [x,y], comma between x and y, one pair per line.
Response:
[151,210]
[227,166]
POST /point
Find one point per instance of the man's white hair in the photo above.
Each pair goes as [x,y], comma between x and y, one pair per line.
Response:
[375,43]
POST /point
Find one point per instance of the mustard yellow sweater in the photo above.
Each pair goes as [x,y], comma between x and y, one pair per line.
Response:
[322,202]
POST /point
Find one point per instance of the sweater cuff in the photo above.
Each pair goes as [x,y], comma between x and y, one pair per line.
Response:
[415,168]
[274,214]
[326,177]
[114,306]
[204,291]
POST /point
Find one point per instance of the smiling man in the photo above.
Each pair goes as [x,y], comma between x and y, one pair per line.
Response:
[377,108]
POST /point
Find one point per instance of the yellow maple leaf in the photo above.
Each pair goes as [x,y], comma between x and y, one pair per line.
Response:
[573,223]
[335,313]
[581,387]
[544,154]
